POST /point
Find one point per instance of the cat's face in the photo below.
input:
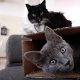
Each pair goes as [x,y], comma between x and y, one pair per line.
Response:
[36,12]
[56,55]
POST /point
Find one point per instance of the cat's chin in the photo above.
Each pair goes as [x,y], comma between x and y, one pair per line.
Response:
[62,69]
[67,68]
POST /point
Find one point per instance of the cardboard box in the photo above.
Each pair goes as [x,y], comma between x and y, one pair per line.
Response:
[34,42]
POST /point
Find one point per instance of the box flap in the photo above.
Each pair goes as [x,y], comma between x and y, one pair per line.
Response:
[61,31]
[41,74]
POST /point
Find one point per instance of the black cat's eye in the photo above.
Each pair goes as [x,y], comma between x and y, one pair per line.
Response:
[53,62]
[63,50]
[33,15]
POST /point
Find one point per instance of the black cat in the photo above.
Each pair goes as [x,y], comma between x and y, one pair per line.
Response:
[41,17]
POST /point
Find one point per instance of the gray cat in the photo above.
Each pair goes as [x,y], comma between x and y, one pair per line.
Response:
[56,55]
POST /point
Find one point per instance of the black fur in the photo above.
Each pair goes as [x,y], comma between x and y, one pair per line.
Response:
[37,13]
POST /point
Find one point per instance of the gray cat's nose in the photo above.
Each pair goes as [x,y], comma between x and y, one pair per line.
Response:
[67,63]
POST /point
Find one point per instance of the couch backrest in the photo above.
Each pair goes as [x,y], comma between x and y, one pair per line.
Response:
[13,50]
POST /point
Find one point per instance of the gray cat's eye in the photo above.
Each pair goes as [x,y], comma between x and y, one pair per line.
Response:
[53,62]
[63,50]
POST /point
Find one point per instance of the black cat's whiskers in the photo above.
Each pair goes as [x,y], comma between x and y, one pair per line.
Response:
[40,26]
[33,21]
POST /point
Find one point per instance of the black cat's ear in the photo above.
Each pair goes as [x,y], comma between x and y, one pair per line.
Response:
[52,36]
[43,4]
[28,6]
[34,56]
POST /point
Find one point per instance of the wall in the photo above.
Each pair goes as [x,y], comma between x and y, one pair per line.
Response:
[14,25]
[12,16]
[33,2]
[15,1]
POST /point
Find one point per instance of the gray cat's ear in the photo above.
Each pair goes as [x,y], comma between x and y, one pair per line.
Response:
[52,36]
[28,6]
[34,56]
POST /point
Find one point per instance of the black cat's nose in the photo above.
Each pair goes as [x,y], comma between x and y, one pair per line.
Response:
[39,20]
[67,63]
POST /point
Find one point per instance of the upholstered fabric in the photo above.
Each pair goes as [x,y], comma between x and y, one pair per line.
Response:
[12,73]
[13,50]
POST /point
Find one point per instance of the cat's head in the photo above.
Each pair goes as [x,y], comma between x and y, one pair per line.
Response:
[36,12]
[56,55]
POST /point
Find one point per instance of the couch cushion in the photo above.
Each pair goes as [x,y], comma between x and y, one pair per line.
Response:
[12,73]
